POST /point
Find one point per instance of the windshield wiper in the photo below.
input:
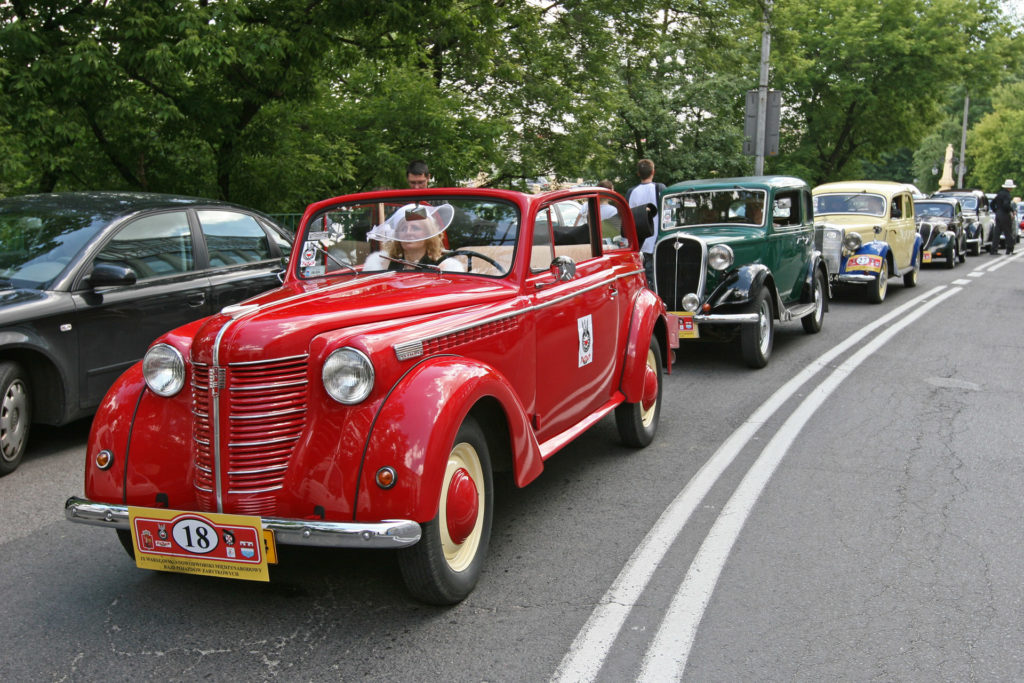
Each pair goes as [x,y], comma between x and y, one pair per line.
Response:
[414,264]
[343,264]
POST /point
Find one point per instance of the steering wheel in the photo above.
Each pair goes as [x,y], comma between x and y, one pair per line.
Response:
[476,254]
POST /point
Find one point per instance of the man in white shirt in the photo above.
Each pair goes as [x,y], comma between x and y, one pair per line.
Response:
[647,192]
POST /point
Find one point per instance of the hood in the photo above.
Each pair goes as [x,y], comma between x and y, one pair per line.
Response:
[22,305]
[280,323]
[717,234]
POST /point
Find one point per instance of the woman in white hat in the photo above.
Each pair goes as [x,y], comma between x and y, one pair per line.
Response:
[1002,205]
[413,236]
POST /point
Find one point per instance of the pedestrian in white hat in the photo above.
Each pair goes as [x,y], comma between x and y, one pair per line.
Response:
[1002,205]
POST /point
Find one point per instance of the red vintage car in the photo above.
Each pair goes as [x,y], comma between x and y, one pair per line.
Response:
[420,341]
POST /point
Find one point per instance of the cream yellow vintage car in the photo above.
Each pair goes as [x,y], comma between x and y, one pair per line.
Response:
[866,234]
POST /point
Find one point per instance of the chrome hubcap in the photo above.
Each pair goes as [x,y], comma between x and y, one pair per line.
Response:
[764,324]
[12,423]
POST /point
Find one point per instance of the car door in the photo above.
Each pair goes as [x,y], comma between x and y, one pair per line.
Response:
[902,229]
[577,321]
[116,324]
[790,240]
[243,258]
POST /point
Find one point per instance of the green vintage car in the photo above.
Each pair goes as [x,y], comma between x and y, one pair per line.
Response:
[734,255]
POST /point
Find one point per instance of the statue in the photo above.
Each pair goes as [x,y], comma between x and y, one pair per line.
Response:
[946,182]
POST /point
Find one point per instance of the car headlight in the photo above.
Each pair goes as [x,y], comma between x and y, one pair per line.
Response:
[164,370]
[348,376]
[690,302]
[720,256]
[852,241]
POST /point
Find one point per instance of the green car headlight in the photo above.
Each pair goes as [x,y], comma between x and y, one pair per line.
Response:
[348,376]
[720,257]
[164,370]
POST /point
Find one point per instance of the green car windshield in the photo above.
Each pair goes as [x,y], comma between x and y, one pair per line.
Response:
[714,207]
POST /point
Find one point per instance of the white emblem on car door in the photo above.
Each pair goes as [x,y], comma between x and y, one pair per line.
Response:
[585,328]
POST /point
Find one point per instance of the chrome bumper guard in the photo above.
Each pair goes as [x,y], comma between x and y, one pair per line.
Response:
[857,279]
[392,533]
[725,318]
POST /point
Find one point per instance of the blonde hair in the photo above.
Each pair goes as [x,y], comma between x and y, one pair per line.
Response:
[433,244]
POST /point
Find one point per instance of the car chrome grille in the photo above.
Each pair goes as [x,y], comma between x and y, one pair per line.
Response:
[677,271]
[264,416]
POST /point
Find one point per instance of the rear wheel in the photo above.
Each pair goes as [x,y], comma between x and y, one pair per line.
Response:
[443,568]
[812,321]
[910,279]
[756,339]
[878,288]
[638,422]
[15,415]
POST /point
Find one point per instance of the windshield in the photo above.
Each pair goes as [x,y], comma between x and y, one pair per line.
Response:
[36,246]
[460,234]
[851,202]
[933,209]
[714,207]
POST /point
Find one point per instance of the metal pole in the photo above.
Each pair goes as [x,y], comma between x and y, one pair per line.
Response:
[963,145]
[762,92]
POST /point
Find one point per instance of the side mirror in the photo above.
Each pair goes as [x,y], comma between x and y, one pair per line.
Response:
[563,268]
[111,275]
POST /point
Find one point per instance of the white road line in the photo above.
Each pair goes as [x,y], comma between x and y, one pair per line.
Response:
[962,282]
[667,655]
[976,273]
[586,656]
[999,263]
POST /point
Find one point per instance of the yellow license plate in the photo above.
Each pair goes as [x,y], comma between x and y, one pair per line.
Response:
[687,325]
[205,543]
[927,257]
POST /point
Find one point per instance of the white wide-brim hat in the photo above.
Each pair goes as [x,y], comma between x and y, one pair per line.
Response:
[437,217]
[1009,184]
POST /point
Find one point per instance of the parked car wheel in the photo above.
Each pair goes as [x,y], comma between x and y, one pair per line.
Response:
[125,538]
[951,257]
[961,251]
[910,279]
[638,422]
[876,292]
[443,568]
[812,321]
[756,339]
[15,416]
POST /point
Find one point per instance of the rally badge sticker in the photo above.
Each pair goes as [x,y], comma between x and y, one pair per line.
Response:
[864,262]
[585,329]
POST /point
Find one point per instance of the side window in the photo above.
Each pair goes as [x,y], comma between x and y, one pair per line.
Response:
[786,209]
[233,238]
[571,229]
[896,211]
[153,246]
[611,225]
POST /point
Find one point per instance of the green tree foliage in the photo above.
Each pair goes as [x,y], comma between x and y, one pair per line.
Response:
[862,77]
[998,140]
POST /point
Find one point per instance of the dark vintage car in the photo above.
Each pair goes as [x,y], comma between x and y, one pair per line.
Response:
[979,221]
[941,225]
[734,255]
[422,340]
[89,279]
[867,234]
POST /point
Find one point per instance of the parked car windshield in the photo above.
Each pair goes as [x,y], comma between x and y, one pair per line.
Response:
[850,202]
[933,209]
[714,207]
[35,247]
[461,234]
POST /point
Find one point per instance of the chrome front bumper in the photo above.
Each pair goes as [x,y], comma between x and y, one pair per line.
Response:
[858,279]
[725,318]
[392,533]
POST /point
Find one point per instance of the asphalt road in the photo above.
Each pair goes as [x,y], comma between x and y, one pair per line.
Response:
[850,512]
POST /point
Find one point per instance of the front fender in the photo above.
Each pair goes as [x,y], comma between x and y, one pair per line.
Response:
[649,320]
[415,429]
[740,286]
[866,258]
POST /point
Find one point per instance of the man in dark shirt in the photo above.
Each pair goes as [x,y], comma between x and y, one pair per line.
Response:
[1002,205]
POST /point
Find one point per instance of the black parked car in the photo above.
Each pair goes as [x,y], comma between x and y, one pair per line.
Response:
[941,224]
[979,221]
[89,279]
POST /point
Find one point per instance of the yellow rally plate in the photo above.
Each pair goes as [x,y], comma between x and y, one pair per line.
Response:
[687,325]
[206,543]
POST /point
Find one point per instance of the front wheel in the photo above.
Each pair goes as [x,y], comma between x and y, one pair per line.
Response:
[124,536]
[962,251]
[637,422]
[878,288]
[15,415]
[756,339]
[812,321]
[443,568]
[951,256]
